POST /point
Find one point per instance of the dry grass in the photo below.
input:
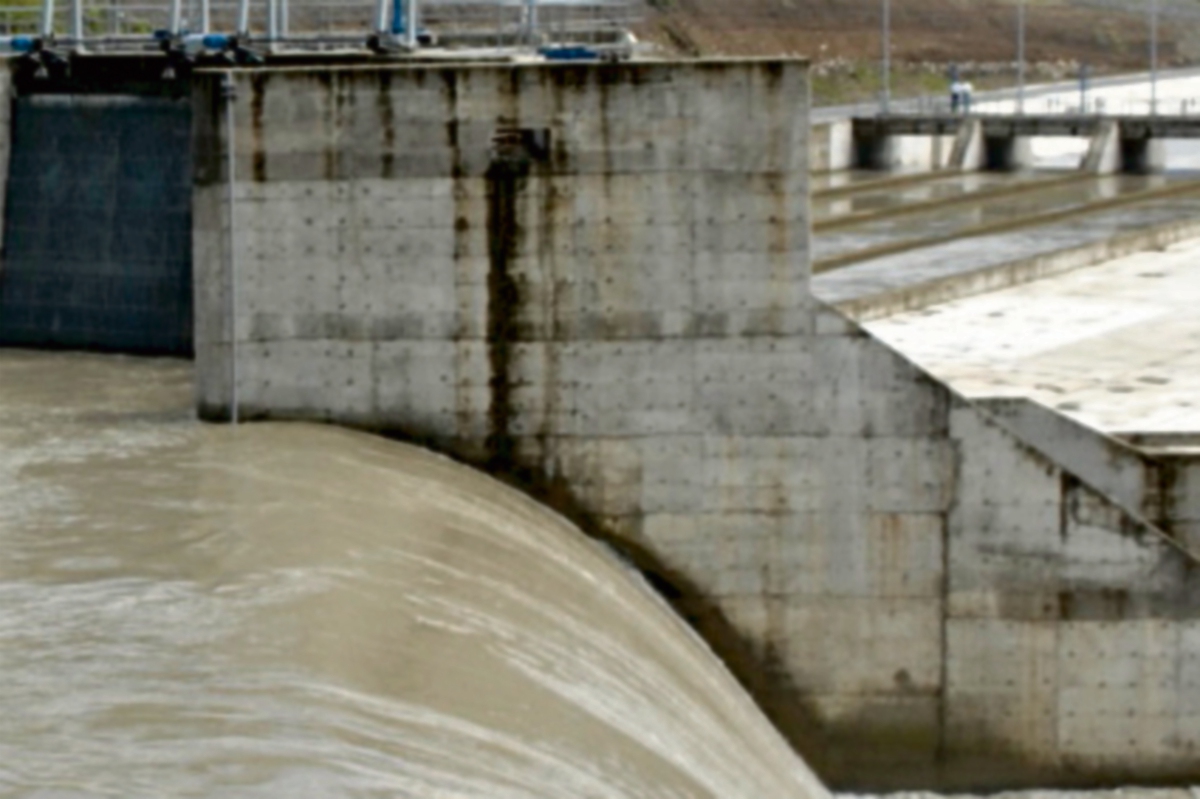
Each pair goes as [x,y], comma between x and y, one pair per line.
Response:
[939,31]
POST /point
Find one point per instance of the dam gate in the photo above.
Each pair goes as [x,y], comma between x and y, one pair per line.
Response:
[97,220]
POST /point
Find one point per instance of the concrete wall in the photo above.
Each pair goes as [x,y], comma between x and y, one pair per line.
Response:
[969,152]
[831,146]
[909,153]
[1103,156]
[1118,470]
[1180,490]
[1072,644]
[97,224]
[593,280]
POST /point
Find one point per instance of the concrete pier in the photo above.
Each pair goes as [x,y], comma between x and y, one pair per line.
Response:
[1142,155]
[1135,147]
[1008,153]
[593,281]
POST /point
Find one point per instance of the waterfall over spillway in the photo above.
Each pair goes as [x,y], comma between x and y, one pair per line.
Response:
[294,610]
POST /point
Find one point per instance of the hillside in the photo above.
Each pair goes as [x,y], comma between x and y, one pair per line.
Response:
[843,37]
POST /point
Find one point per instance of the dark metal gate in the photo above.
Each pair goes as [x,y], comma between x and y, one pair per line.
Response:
[98,225]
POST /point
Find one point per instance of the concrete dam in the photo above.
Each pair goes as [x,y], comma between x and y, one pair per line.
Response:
[594,282]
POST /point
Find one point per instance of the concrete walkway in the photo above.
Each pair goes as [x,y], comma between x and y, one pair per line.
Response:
[1116,347]
[965,259]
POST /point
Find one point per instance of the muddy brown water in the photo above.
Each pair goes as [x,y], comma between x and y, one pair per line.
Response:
[302,611]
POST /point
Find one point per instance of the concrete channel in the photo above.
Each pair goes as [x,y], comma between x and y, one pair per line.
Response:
[974,208]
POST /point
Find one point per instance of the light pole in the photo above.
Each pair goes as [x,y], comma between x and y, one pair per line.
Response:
[1021,57]
[1153,57]
[531,20]
[885,95]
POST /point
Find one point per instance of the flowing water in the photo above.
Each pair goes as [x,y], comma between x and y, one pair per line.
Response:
[301,611]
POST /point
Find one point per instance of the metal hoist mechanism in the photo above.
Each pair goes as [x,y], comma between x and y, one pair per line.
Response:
[184,47]
[397,27]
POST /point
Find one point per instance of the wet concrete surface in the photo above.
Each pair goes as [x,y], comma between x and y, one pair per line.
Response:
[942,221]
[966,255]
[880,198]
[1115,346]
[291,610]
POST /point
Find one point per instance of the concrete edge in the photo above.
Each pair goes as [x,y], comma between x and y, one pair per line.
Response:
[1098,474]
[986,409]
[464,61]
[1035,423]
[1015,273]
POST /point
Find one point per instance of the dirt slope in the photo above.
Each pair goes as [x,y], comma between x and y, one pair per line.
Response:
[942,31]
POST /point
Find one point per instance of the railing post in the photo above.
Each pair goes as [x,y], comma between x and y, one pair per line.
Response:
[243,25]
[885,96]
[381,25]
[1153,57]
[531,21]
[1083,79]
[1021,57]
[47,18]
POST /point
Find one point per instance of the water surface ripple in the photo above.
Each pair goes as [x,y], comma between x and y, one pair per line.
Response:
[302,611]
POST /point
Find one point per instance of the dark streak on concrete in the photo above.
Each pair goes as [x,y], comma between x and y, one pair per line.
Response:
[387,120]
[258,87]
[1066,503]
[331,123]
[506,178]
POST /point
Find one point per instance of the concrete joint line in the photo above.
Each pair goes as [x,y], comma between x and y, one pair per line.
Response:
[836,192]
[1015,273]
[849,220]
[1005,226]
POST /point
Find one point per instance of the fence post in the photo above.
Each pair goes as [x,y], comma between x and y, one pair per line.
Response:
[1153,57]
[885,96]
[1021,57]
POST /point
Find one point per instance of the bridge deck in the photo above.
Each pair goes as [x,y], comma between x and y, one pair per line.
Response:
[1139,127]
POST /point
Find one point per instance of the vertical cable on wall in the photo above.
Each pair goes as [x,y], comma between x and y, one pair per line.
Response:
[229,93]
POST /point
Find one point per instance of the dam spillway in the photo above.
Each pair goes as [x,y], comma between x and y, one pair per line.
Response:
[593,281]
[291,610]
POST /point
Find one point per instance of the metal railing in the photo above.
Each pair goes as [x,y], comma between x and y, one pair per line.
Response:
[119,24]
[1059,101]
[1150,16]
